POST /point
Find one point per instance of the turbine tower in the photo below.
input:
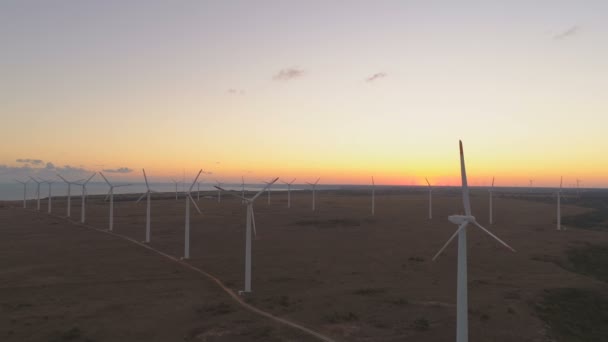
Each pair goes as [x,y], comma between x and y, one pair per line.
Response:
[289,192]
[430,198]
[111,196]
[250,222]
[50,183]
[24,191]
[176,184]
[219,192]
[242,188]
[462,325]
[146,194]
[69,204]
[37,192]
[491,191]
[84,194]
[189,199]
[268,190]
[314,187]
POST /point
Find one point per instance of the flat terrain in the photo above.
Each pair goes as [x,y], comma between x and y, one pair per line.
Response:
[339,270]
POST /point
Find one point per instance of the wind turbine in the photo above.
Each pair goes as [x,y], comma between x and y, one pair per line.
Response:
[268,191]
[176,183]
[187,225]
[69,193]
[219,192]
[111,195]
[314,187]
[37,191]
[430,199]
[289,192]
[491,191]
[462,328]
[559,207]
[250,222]
[24,191]
[146,194]
[373,196]
[50,183]
[531,183]
[84,194]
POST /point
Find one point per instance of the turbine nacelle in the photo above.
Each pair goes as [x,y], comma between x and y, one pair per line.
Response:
[460,219]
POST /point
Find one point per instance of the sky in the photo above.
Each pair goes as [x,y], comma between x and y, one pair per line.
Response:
[341,90]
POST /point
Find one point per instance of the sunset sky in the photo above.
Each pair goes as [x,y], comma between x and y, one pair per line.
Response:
[341,90]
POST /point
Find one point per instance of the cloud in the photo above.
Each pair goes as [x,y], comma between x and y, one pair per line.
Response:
[50,166]
[376,76]
[288,74]
[48,171]
[30,161]
[567,33]
[233,91]
[119,170]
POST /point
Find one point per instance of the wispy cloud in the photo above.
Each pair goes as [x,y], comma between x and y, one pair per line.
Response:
[30,161]
[567,33]
[48,170]
[233,91]
[119,170]
[376,76]
[288,74]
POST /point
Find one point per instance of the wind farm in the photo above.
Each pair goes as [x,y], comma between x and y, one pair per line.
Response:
[237,171]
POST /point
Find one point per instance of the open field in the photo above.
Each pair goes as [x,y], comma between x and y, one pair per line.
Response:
[339,270]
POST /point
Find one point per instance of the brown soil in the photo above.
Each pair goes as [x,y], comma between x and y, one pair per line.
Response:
[339,270]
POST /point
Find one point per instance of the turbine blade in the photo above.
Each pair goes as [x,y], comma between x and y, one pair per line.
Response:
[194,202]
[292,181]
[255,233]
[492,182]
[264,189]
[141,197]
[318,179]
[65,180]
[427,182]
[195,179]
[104,178]
[465,186]
[461,227]
[561,180]
[88,179]
[494,236]
[232,193]
[146,179]
[373,183]
[108,195]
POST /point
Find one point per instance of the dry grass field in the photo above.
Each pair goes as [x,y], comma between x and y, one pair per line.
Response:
[339,270]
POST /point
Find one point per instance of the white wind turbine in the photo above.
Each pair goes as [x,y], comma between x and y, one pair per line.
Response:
[491,191]
[24,191]
[219,192]
[189,199]
[176,184]
[289,192]
[314,187]
[559,207]
[69,204]
[250,222]
[50,183]
[430,199]
[373,196]
[111,196]
[37,192]
[268,191]
[84,194]
[462,325]
[147,195]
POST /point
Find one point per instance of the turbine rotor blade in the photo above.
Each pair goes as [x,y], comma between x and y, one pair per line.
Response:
[104,178]
[255,233]
[65,180]
[427,182]
[264,189]
[492,181]
[195,205]
[141,197]
[292,181]
[232,193]
[318,179]
[146,179]
[461,227]
[494,236]
[195,179]
[465,187]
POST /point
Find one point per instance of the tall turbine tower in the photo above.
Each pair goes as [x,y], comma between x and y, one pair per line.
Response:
[50,183]
[250,223]
[37,192]
[111,196]
[559,206]
[84,194]
[69,204]
[289,192]
[373,196]
[24,191]
[462,324]
[314,187]
[430,198]
[187,217]
[146,194]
